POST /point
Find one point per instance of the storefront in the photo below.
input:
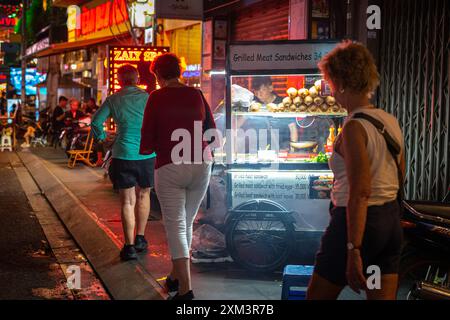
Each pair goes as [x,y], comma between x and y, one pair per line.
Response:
[78,67]
[179,27]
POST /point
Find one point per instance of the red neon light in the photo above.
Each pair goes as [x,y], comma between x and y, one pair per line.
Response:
[103,16]
[8,22]
[138,57]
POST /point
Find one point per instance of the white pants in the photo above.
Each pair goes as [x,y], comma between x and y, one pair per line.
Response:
[180,189]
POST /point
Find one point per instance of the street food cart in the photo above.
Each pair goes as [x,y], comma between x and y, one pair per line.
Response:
[281,122]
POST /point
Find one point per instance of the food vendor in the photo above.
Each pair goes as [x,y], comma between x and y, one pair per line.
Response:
[263,90]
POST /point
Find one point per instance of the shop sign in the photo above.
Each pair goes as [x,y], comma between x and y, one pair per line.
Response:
[289,56]
[38,46]
[294,190]
[138,57]
[180,9]
[192,71]
[8,22]
[90,21]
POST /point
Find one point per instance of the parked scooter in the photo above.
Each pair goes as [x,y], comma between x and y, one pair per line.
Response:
[425,264]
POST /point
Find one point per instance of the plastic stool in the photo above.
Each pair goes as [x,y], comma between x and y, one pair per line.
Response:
[295,282]
[6,143]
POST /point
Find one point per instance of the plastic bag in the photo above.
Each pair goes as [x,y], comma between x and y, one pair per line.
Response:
[208,240]
[241,98]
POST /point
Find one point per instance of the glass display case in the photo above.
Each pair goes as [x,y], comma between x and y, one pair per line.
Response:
[285,119]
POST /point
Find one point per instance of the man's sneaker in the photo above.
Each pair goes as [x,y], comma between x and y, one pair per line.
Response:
[187,296]
[128,252]
[140,244]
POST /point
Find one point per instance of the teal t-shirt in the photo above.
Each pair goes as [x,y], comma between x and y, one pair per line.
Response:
[126,107]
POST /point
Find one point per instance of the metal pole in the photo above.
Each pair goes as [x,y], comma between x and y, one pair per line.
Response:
[22,53]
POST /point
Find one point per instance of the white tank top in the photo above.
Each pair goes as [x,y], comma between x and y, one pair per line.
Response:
[383,170]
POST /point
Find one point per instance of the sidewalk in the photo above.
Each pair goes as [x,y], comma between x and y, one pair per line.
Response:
[213,281]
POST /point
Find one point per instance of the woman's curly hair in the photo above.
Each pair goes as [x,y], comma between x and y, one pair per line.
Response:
[352,66]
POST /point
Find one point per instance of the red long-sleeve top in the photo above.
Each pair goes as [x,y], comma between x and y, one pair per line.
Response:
[169,109]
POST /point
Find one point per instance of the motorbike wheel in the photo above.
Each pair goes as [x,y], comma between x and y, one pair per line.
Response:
[261,237]
[416,267]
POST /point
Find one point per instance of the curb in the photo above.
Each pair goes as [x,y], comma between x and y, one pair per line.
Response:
[123,280]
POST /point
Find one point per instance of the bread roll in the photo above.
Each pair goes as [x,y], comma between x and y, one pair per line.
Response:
[318,101]
[313,92]
[303,108]
[335,108]
[308,100]
[313,108]
[330,100]
[287,102]
[303,92]
[255,107]
[298,101]
[292,92]
[272,107]
[324,107]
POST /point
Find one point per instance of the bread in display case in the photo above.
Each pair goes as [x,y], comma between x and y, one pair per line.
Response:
[294,117]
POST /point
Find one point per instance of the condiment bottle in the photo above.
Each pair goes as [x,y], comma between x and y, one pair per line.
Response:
[330,142]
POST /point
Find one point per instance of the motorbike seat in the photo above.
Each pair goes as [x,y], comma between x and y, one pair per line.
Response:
[434,209]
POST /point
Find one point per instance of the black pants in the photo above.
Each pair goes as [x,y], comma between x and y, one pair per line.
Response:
[382,243]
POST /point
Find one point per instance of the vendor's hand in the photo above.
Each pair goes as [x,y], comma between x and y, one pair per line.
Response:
[355,274]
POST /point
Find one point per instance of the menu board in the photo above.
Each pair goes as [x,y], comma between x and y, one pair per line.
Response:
[305,192]
[137,56]
[280,56]
[280,185]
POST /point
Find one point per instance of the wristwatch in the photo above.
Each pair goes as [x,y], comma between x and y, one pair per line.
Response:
[351,246]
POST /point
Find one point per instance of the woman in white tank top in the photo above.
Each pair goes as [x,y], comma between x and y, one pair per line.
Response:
[365,227]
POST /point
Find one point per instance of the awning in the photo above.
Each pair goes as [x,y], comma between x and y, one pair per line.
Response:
[76,45]
[65,83]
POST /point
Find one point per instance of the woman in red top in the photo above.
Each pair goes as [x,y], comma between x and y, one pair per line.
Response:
[175,120]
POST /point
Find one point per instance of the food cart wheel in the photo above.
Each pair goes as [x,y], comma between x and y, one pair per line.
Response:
[260,235]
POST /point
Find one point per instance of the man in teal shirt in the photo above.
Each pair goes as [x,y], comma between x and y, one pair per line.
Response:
[128,168]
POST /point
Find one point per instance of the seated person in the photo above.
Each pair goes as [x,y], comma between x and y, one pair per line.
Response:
[30,134]
[72,116]
[91,106]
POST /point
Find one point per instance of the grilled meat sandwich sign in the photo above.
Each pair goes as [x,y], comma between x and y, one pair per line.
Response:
[285,56]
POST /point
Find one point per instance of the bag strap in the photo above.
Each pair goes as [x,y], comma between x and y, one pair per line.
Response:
[207,115]
[393,147]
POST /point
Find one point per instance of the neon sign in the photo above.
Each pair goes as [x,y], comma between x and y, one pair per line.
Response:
[8,22]
[138,57]
[88,21]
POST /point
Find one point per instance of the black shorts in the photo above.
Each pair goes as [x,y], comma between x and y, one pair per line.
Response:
[382,243]
[126,174]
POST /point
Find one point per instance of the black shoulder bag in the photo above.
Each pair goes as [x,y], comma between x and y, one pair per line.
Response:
[393,147]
